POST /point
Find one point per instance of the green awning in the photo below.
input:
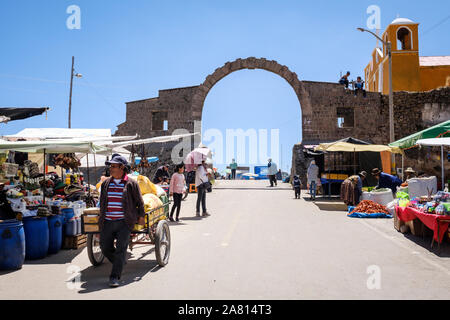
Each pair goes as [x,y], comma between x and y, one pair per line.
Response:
[438,131]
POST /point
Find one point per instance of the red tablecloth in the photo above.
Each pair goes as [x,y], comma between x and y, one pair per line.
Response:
[430,220]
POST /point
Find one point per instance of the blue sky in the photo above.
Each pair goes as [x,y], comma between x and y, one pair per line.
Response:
[128,50]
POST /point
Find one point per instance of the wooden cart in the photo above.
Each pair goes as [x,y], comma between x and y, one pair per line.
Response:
[155,232]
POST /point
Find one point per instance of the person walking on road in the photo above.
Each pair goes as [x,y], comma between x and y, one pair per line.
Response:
[202,183]
[313,179]
[176,190]
[121,207]
[233,167]
[271,172]
[297,184]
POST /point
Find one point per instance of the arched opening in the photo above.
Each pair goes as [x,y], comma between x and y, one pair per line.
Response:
[256,115]
[404,39]
[260,140]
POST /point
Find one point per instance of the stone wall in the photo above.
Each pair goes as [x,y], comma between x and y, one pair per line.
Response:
[321,105]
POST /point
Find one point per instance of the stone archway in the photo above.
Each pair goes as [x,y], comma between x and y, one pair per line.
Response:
[251,63]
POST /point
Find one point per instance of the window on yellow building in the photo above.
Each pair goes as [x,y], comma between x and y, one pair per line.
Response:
[404,39]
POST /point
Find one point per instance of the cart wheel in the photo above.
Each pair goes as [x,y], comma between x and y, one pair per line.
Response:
[162,243]
[94,251]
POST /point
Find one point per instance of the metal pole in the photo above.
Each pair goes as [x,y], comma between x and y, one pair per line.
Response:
[442,164]
[403,167]
[89,180]
[391,105]
[70,96]
[44,180]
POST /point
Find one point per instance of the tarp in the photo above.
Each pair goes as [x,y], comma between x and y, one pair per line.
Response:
[21,113]
[100,159]
[56,146]
[160,139]
[350,147]
[438,131]
[61,133]
[436,142]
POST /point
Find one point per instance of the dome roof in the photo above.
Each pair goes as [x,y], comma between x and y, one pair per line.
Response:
[402,21]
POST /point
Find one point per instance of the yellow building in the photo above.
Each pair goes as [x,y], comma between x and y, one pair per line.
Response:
[410,72]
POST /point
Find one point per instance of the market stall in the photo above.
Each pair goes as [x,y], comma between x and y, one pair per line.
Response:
[354,148]
[42,207]
[432,212]
[441,130]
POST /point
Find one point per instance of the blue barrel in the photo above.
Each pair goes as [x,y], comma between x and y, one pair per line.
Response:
[36,237]
[55,233]
[12,245]
[71,227]
[68,214]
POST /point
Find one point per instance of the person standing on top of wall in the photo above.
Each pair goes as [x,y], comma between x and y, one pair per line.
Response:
[233,167]
[121,207]
[271,172]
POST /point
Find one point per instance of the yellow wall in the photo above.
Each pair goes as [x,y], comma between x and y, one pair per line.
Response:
[407,74]
[434,77]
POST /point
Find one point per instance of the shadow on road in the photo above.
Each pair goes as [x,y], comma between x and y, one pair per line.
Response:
[444,252]
[97,278]
[62,257]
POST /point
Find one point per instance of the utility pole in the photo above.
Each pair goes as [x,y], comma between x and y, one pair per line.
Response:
[71,84]
[70,96]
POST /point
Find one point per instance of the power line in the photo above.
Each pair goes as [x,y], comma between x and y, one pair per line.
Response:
[435,26]
[101,96]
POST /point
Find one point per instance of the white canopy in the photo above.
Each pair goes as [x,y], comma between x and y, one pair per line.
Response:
[61,133]
[55,146]
[436,142]
[99,160]
[152,140]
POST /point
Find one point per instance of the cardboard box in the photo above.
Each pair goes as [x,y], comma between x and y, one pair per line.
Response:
[333,176]
[342,176]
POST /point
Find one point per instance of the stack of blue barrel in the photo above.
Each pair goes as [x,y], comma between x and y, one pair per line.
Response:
[30,239]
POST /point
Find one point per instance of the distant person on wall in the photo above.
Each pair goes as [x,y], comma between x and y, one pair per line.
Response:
[162,174]
[271,172]
[296,184]
[344,80]
[313,179]
[359,86]
[176,190]
[233,167]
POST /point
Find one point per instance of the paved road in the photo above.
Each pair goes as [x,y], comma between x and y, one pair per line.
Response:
[259,243]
